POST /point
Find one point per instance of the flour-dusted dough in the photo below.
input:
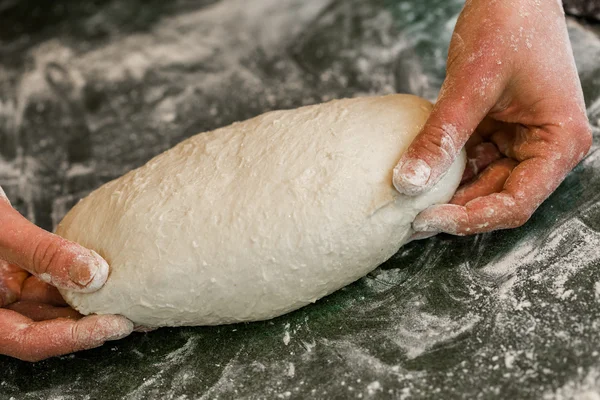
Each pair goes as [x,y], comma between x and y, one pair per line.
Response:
[256,219]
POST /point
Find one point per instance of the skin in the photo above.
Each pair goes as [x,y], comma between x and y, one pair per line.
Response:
[513,98]
[35,322]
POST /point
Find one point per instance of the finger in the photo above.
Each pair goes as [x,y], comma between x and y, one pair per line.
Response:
[43,312]
[527,186]
[490,181]
[478,158]
[22,338]
[37,291]
[469,92]
[11,282]
[505,141]
[54,260]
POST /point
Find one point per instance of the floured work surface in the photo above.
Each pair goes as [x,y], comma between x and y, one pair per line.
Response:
[504,315]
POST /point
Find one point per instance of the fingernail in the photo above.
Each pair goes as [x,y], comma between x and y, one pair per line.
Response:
[425,226]
[411,176]
[436,219]
[89,270]
[423,235]
[123,328]
[95,330]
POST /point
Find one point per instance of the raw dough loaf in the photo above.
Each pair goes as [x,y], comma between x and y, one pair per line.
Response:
[256,219]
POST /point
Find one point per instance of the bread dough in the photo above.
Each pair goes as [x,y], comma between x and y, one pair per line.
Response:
[256,219]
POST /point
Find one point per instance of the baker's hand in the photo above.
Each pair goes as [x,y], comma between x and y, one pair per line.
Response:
[513,97]
[35,322]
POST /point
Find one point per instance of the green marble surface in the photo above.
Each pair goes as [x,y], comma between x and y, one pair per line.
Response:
[88,92]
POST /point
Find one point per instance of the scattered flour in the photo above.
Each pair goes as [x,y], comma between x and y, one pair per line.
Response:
[286,335]
[585,387]
[373,388]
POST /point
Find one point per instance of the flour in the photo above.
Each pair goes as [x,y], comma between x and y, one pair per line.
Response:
[421,331]
[574,246]
[79,170]
[226,382]
[585,387]
[172,365]
[373,388]
[291,371]
[286,335]
[203,40]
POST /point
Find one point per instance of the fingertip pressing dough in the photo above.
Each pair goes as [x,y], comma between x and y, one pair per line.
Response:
[258,218]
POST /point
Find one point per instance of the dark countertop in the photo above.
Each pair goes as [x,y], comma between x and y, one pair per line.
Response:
[91,90]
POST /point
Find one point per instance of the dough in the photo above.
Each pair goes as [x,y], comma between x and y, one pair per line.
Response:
[256,219]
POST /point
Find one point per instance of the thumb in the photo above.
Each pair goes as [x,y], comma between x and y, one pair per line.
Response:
[463,103]
[54,260]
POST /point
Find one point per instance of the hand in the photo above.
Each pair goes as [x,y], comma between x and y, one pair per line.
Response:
[513,97]
[35,323]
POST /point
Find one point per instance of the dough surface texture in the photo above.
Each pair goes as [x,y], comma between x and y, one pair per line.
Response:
[256,219]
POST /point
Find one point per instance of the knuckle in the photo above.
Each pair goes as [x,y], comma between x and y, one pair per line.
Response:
[26,348]
[506,212]
[457,45]
[84,334]
[75,334]
[79,337]
[44,255]
[440,141]
[519,217]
